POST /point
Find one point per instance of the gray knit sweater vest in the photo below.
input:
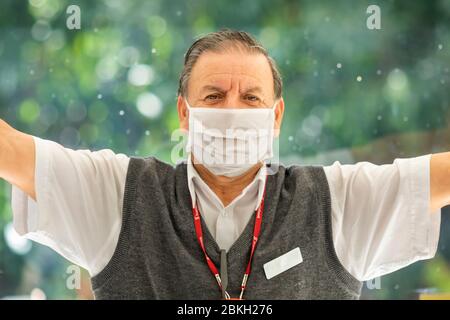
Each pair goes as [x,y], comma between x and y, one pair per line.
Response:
[158,256]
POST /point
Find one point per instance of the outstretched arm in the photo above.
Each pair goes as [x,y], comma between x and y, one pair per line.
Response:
[17,158]
[78,196]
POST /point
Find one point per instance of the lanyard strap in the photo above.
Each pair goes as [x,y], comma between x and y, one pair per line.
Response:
[256,232]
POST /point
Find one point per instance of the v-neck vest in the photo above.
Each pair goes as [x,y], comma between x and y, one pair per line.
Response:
[158,256]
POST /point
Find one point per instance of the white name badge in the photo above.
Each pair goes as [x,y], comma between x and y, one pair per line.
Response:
[283,263]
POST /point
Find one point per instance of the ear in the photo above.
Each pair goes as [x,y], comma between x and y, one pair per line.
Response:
[279,112]
[183,113]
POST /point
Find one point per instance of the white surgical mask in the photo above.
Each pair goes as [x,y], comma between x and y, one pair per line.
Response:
[228,142]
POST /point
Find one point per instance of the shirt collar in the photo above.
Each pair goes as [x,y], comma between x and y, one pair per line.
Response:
[260,179]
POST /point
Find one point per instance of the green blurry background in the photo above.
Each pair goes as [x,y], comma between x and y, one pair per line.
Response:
[352,94]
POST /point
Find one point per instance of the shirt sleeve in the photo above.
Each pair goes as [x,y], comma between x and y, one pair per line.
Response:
[78,207]
[381,219]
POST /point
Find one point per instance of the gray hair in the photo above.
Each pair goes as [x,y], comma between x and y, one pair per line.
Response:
[218,42]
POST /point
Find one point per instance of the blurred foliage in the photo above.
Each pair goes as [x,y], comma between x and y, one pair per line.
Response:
[113,84]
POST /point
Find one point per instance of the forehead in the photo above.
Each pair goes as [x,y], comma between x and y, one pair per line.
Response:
[232,67]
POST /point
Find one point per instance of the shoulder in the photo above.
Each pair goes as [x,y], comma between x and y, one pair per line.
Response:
[145,163]
[151,169]
[299,181]
[307,175]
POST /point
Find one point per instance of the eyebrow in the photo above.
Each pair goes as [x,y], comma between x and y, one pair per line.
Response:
[255,89]
[212,88]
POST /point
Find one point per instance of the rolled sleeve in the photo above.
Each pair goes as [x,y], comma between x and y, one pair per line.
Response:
[425,225]
[25,210]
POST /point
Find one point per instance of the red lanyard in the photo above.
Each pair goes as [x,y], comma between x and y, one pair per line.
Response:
[256,232]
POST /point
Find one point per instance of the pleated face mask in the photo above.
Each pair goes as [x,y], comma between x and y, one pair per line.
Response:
[228,141]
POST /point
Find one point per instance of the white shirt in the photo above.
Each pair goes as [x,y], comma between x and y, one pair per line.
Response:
[380,214]
[225,223]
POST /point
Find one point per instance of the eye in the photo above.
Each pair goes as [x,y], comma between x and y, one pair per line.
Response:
[213,97]
[252,98]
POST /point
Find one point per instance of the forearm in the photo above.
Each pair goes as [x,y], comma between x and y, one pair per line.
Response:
[439,181]
[17,158]
[5,131]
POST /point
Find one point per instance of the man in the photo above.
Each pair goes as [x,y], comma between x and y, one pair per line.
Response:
[224,224]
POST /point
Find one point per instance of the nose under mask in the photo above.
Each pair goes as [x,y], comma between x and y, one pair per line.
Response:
[230,141]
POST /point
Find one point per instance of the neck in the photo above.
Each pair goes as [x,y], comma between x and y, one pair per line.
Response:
[226,188]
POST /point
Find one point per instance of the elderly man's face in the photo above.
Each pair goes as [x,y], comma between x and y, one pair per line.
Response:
[232,79]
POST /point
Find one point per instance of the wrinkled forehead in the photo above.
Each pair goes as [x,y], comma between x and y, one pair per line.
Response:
[230,69]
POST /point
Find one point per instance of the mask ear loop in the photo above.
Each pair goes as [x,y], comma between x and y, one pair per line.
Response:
[275,104]
[188,109]
[268,163]
[187,104]
[188,146]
